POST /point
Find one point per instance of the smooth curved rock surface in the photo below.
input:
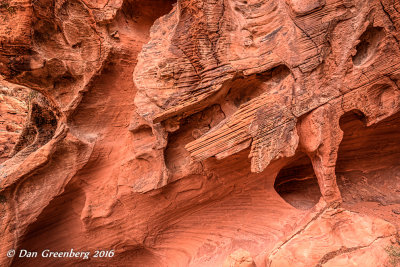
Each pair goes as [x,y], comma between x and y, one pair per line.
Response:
[201,132]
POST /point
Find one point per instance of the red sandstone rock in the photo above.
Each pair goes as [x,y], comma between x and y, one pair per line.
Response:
[336,238]
[13,112]
[239,258]
[202,132]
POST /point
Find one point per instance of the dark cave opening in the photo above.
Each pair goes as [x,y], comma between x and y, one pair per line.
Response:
[297,184]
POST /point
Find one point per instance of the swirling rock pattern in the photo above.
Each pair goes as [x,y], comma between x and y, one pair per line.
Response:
[202,132]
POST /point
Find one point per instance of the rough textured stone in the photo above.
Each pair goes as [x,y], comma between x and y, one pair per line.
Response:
[13,113]
[239,258]
[201,132]
[336,238]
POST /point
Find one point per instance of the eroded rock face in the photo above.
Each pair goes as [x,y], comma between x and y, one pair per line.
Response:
[336,238]
[203,132]
[13,113]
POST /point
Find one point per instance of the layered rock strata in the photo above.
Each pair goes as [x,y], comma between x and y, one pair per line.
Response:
[203,132]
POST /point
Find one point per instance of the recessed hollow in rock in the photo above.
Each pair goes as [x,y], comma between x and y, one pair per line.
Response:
[135,167]
[243,89]
[27,120]
[368,162]
[297,184]
[40,125]
[369,42]
[13,113]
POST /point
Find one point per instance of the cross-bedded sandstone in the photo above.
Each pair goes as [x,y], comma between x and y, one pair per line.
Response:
[174,132]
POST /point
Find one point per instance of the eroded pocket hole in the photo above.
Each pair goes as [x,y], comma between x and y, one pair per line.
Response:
[27,123]
[369,42]
[297,184]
